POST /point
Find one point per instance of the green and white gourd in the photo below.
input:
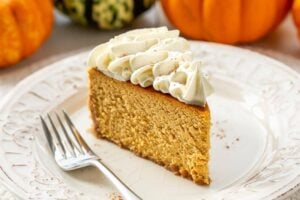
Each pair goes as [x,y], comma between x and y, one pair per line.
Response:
[105,14]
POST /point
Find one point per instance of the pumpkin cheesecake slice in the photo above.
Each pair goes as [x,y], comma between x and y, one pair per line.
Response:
[146,94]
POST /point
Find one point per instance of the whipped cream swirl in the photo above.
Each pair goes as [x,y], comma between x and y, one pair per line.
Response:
[157,57]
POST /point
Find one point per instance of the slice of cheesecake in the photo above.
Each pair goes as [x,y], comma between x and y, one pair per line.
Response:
[147,95]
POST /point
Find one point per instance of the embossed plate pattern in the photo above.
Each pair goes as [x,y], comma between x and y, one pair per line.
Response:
[27,168]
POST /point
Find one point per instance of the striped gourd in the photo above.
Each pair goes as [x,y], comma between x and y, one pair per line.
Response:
[105,14]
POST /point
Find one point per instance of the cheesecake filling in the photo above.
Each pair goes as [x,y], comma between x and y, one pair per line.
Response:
[154,57]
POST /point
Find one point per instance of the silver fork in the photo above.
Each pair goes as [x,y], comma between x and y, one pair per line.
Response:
[71,152]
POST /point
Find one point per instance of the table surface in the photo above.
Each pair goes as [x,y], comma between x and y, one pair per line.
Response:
[68,36]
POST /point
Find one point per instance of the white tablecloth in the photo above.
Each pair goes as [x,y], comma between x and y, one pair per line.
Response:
[283,45]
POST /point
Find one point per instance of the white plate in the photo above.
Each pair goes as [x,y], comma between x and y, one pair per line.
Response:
[255,133]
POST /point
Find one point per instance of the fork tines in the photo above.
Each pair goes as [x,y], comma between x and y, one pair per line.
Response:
[67,141]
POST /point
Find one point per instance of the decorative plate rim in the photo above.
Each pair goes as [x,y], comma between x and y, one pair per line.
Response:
[281,193]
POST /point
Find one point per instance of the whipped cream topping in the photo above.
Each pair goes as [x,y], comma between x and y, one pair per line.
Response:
[157,57]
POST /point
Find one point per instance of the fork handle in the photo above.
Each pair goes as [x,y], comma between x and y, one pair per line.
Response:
[125,191]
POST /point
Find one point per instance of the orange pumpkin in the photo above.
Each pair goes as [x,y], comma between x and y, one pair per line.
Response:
[226,21]
[24,26]
[296,14]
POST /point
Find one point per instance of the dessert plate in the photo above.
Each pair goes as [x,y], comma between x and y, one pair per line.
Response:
[255,134]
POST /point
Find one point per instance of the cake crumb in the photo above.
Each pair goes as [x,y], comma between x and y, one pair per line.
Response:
[237,139]
[221,135]
[227,146]
[115,196]
[91,129]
